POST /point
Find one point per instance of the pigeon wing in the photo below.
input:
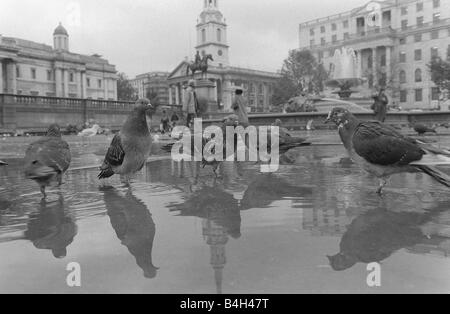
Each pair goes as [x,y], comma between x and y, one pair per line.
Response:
[382,145]
[115,154]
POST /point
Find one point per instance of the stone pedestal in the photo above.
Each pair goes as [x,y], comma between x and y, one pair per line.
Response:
[207,97]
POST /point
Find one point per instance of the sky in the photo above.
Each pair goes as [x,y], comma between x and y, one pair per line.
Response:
[140,36]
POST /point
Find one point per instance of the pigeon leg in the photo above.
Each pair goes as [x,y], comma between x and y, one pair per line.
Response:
[44,195]
[382,185]
[59,179]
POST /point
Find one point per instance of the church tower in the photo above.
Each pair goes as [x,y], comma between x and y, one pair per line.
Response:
[212,34]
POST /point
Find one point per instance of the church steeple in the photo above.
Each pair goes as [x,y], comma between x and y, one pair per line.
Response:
[212,33]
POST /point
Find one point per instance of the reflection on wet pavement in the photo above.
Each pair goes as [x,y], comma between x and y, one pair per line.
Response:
[180,230]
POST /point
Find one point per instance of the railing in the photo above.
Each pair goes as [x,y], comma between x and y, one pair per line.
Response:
[66,103]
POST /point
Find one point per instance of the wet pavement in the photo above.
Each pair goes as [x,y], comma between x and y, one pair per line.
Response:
[312,227]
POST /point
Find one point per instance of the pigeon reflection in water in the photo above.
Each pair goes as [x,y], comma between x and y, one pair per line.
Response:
[51,228]
[377,234]
[268,188]
[134,226]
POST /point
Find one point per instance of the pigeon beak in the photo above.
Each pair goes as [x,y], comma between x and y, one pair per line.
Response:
[327,120]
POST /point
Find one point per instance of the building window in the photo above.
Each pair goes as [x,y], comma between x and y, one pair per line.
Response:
[417,38]
[99,83]
[333,26]
[435,34]
[219,35]
[312,42]
[435,93]
[346,36]
[345,24]
[404,11]
[402,57]
[436,17]
[334,38]
[403,96]
[220,52]
[402,41]
[203,35]
[18,73]
[49,75]
[88,82]
[322,41]
[436,3]
[419,96]
[418,54]
[434,52]
[71,77]
[419,7]
[322,29]
[419,21]
[404,24]
[402,77]
[311,32]
[418,76]
[33,73]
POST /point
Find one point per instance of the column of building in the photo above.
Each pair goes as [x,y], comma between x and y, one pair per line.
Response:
[374,66]
[105,88]
[388,63]
[1,77]
[58,80]
[177,94]
[84,85]
[11,80]
[79,85]
[66,83]
[170,95]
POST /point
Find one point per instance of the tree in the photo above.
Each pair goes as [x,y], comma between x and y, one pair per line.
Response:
[301,73]
[125,91]
[440,72]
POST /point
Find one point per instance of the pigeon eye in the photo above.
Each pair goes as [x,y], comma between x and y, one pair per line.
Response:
[35,162]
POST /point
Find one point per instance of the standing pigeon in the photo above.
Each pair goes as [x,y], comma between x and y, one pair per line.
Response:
[47,159]
[214,163]
[421,129]
[382,151]
[130,148]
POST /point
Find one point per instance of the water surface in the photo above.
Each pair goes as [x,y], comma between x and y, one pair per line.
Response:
[180,230]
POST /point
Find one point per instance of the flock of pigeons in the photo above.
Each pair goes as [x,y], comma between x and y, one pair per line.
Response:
[378,148]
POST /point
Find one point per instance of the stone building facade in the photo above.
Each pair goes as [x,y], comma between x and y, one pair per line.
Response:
[30,68]
[394,41]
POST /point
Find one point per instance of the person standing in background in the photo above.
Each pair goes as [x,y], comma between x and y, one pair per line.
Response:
[240,107]
[190,103]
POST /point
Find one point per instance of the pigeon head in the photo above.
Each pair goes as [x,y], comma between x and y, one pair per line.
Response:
[341,261]
[143,106]
[339,116]
[54,130]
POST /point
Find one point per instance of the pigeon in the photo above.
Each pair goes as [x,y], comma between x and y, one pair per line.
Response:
[129,148]
[47,159]
[214,163]
[90,131]
[382,151]
[421,129]
[2,163]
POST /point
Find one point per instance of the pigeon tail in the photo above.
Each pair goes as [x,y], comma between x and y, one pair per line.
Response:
[436,174]
[2,163]
[432,158]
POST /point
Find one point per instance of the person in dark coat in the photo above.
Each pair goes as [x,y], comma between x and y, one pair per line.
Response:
[379,106]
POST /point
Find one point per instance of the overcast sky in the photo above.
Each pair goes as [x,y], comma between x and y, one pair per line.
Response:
[155,35]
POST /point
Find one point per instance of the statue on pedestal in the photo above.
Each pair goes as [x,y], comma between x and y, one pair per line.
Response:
[200,64]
